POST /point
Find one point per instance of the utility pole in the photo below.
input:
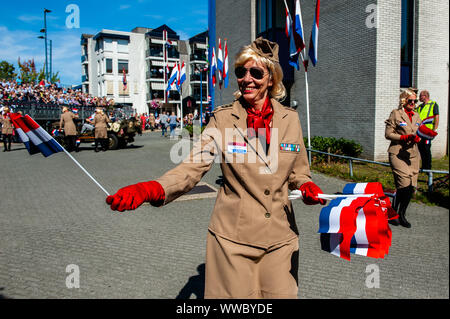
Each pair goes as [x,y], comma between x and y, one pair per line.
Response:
[45,30]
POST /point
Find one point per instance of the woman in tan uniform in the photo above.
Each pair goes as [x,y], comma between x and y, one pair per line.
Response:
[252,241]
[101,129]
[70,131]
[7,129]
[404,157]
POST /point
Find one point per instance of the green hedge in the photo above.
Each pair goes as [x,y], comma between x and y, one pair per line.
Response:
[332,145]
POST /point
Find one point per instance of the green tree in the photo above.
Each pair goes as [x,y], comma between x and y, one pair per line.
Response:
[7,71]
[28,72]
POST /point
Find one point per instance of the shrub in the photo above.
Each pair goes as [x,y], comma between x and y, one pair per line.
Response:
[332,145]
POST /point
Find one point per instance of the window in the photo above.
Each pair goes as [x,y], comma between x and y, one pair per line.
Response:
[121,65]
[109,66]
[407,43]
[122,46]
[108,44]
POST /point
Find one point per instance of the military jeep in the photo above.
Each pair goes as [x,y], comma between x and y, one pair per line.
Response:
[120,133]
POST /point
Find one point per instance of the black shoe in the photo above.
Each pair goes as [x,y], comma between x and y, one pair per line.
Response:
[404,222]
[97,150]
[394,222]
[4,150]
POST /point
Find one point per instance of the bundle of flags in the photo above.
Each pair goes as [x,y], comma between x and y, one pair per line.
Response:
[425,132]
[357,224]
[219,64]
[177,77]
[34,137]
[294,32]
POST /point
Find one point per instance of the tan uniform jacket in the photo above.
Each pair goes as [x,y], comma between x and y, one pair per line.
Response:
[7,126]
[403,156]
[101,126]
[252,206]
[67,123]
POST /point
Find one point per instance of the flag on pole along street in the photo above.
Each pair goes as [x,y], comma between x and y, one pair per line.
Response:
[75,111]
[288,26]
[213,67]
[295,33]
[171,84]
[313,41]
[357,225]
[124,79]
[220,63]
[182,73]
[225,65]
[33,136]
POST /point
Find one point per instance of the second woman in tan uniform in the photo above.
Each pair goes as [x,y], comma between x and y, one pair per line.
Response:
[7,129]
[404,157]
[70,131]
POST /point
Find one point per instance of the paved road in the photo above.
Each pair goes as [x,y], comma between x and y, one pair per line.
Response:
[52,216]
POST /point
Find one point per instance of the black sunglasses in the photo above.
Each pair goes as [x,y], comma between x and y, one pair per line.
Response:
[255,73]
[411,100]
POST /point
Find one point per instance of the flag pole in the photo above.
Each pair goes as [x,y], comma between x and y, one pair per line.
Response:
[84,170]
[307,116]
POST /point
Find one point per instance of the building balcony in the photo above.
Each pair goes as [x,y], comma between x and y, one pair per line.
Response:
[84,78]
[84,59]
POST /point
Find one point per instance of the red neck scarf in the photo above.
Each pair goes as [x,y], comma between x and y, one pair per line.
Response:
[409,113]
[260,119]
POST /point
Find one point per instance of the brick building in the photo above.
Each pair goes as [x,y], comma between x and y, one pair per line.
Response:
[368,50]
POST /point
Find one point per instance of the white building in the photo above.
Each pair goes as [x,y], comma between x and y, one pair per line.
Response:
[140,53]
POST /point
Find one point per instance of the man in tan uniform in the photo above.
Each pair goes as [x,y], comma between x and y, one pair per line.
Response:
[70,131]
[404,157]
[252,241]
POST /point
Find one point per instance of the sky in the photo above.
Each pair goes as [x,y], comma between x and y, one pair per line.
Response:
[21,22]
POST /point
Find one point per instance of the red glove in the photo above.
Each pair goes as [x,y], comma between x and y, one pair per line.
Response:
[131,197]
[309,193]
[416,139]
[407,138]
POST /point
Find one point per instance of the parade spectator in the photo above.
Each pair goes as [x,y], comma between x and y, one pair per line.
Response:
[173,120]
[252,240]
[401,128]
[164,122]
[70,131]
[7,129]
[151,121]
[427,109]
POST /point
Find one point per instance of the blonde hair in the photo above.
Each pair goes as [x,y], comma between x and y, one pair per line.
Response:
[6,109]
[65,108]
[404,95]
[277,91]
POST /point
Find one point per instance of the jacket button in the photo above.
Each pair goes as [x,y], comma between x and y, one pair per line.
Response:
[267,192]
[267,215]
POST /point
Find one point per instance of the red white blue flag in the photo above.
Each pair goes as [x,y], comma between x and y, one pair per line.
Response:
[424,131]
[213,67]
[225,66]
[124,80]
[34,137]
[295,33]
[357,225]
[313,41]
[220,63]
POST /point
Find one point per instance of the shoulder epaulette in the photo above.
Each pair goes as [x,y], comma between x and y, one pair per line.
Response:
[223,107]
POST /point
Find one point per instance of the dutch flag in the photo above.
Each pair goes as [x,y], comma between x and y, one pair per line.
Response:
[313,41]
[35,137]
[220,63]
[225,66]
[357,225]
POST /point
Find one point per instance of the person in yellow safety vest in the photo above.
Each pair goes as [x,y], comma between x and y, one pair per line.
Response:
[426,109]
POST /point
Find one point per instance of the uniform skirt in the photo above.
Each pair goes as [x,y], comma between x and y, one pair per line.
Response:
[101,132]
[235,270]
[405,169]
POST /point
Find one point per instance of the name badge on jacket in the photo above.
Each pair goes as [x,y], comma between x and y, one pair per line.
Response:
[290,147]
[402,124]
[240,148]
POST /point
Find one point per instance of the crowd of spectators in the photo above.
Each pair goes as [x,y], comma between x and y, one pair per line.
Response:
[12,91]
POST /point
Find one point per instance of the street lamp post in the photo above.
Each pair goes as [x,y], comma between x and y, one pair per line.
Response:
[45,31]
